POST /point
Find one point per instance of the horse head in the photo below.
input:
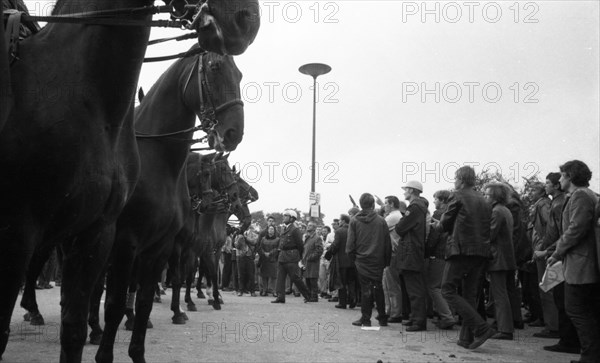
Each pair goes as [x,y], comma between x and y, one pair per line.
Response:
[223,180]
[216,100]
[224,26]
[247,195]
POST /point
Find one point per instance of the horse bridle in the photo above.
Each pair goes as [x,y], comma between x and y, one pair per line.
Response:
[223,202]
[208,110]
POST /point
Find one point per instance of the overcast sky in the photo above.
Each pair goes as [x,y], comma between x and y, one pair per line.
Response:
[415,91]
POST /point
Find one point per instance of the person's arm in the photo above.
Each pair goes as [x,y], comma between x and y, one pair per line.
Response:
[409,221]
[496,223]
[447,220]
[317,251]
[581,220]
[298,240]
[351,241]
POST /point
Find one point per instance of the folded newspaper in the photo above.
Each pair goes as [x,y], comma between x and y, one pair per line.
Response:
[553,276]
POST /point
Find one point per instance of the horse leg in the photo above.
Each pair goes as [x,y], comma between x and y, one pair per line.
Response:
[117,283]
[15,253]
[179,316]
[94,315]
[28,300]
[190,272]
[149,274]
[212,276]
[85,256]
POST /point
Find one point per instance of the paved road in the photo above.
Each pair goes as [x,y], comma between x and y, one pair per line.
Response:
[251,329]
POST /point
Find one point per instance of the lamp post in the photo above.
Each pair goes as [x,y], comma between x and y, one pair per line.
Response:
[314,70]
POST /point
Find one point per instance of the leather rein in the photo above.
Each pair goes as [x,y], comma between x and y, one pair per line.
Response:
[208,111]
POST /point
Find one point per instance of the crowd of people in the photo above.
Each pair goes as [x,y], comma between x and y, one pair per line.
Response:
[480,254]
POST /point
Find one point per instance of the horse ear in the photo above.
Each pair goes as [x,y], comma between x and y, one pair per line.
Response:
[141,94]
[233,169]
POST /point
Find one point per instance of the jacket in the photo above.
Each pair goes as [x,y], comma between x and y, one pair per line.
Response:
[435,245]
[290,244]
[369,244]
[467,219]
[338,247]
[311,258]
[554,226]
[501,240]
[539,220]
[411,228]
[577,246]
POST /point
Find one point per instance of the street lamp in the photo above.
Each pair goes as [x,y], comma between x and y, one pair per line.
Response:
[314,70]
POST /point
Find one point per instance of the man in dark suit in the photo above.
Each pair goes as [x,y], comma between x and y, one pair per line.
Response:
[346,269]
[577,247]
[291,247]
[468,220]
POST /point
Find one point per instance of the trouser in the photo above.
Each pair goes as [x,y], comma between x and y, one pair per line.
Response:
[226,270]
[313,287]
[549,310]
[499,281]
[347,293]
[530,288]
[435,271]
[291,269]
[324,276]
[372,291]
[392,292]
[582,302]
[566,329]
[417,294]
[467,272]
[246,269]
[405,299]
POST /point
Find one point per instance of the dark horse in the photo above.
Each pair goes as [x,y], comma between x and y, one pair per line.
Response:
[67,149]
[210,232]
[183,254]
[208,87]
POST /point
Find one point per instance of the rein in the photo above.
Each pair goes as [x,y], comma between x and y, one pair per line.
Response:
[208,111]
[116,17]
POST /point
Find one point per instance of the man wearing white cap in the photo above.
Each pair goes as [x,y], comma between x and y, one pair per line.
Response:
[411,249]
[291,247]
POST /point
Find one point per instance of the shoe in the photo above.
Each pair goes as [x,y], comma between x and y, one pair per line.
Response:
[446,325]
[547,334]
[240,293]
[383,322]
[340,306]
[395,320]
[352,304]
[408,323]
[288,292]
[519,325]
[463,344]
[415,327]
[502,336]
[39,287]
[562,349]
[359,322]
[334,299]
[537,323]
[253,294]
[482,338]
[327,296]
[297,294]
[278,301]
[225,289]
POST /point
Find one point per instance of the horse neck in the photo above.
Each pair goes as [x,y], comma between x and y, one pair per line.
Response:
[163,108]
[99,51]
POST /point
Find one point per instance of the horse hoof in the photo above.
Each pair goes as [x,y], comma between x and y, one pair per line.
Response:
[191,307]
[95,338]
[129,324]
[210,301]
[200,295]
[178,319]
[157,299]
[27,316]
[217,306]
[185,316]
[221,300]
[37,319]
